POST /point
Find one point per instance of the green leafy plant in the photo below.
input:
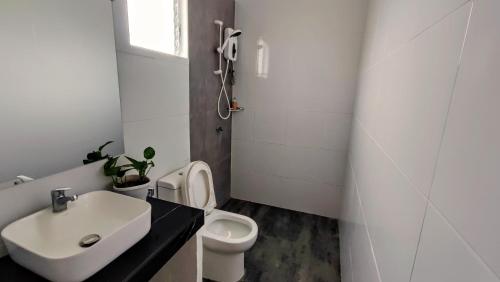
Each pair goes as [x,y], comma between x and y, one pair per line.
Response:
[117,172]
[95,156]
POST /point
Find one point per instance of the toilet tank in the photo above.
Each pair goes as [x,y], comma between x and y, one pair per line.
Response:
[170,187]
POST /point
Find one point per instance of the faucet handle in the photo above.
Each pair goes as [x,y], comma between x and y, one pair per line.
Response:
[63,189]
[60,191]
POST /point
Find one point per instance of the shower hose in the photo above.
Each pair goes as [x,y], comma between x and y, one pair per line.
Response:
[223,90]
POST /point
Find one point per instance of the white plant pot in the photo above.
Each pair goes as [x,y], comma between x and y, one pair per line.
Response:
[139,191]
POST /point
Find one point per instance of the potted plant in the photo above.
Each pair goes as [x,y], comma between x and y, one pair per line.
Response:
[135,185]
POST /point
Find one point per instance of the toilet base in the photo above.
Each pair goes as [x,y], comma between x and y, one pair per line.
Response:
[223,267]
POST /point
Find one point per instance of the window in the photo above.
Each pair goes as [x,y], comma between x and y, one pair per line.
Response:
[158,25]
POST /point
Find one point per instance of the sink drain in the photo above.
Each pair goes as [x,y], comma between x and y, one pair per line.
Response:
[89,240]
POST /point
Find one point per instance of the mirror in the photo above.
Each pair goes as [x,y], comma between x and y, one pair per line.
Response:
[59,96]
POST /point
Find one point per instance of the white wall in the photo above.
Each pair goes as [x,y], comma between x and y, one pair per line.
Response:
[154,94]
[420,202]
[290,144]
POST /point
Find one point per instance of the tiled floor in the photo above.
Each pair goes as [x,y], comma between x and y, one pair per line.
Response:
[291,246]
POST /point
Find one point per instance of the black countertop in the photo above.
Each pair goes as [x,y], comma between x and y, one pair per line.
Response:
[172,225]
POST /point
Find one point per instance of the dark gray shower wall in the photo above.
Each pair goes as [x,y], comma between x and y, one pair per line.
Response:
[204,87]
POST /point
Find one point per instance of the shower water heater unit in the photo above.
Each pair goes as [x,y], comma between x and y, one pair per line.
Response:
[231,50]
[228,49]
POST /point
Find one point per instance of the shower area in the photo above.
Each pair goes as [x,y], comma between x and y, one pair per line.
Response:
[383,115]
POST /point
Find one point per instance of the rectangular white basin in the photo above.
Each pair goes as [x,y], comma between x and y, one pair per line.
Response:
[48,243]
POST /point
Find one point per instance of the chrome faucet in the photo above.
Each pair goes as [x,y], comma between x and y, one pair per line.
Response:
[60,200]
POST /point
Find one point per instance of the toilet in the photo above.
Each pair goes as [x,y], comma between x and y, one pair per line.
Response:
[225,236]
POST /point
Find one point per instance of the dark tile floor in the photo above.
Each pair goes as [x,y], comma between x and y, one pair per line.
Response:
[291,246]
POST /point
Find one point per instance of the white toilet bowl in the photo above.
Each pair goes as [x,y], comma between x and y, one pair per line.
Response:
[226,236]
[229,232]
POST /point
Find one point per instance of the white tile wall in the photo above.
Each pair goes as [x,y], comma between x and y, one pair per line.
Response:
[293,136]
[368,99]
[335,131]
[405,19]
[467,184]
[299,163]
[268,158]
[394,211]
[373,44]
[424,144]
[347,221]
[269,121]
[304,128]
[363,263]
[416,90]
[444,256]
[244,131]
[310,196]
[266,171]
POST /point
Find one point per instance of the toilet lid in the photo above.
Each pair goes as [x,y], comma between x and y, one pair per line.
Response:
[200,187]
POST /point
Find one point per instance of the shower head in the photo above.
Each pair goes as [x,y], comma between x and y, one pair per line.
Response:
[235,33]
[230,33]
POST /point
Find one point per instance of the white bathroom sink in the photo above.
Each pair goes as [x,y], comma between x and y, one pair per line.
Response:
[48,243]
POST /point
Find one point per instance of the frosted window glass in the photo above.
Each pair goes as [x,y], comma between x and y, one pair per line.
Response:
[152,25]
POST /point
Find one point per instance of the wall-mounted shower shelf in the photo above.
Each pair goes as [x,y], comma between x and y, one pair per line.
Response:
[239,109]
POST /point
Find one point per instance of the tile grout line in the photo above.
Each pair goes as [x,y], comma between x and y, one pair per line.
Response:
[360,202]
[391,160]
[450,102]
[443,134]
[461,238]
[417,248]
[396,49]
[154,118]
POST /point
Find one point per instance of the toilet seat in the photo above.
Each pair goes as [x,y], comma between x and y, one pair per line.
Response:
[199,186]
